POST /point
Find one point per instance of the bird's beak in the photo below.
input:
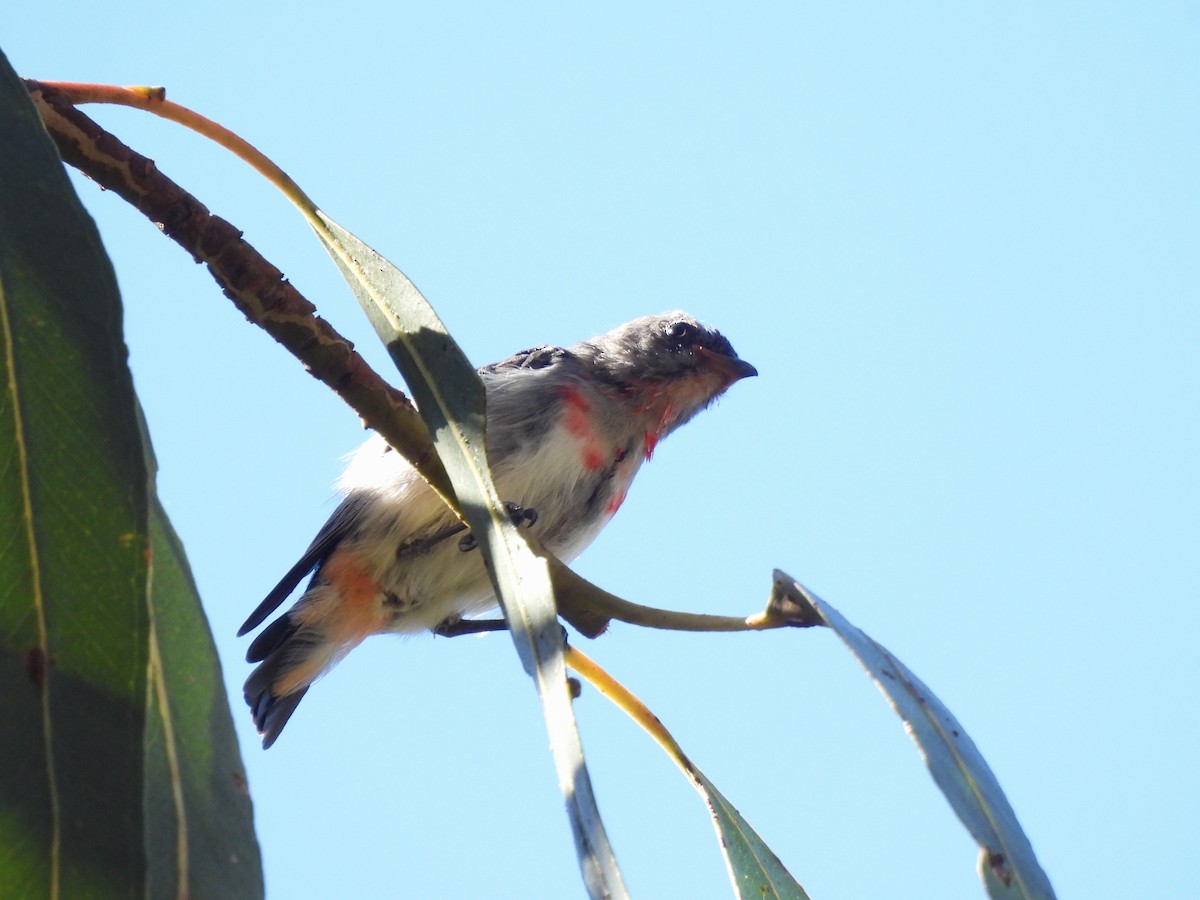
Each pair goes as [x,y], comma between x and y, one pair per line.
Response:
[731,367]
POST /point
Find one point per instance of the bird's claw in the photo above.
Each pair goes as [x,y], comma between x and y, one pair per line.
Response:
[517,514]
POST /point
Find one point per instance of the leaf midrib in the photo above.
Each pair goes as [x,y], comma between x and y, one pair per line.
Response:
[35,578]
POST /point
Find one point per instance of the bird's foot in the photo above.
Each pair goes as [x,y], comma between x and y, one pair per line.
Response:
[456,626]
[518,514]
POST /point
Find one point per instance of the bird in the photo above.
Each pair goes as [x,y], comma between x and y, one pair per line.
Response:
[568,428]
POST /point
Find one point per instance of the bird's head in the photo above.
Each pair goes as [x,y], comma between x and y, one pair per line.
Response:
[671,365]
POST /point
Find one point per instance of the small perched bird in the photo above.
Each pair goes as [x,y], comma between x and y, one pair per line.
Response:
[567,429]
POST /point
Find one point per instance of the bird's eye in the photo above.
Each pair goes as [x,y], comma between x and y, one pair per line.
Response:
[682,331]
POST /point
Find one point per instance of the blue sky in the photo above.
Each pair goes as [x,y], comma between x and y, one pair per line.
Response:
[959,242]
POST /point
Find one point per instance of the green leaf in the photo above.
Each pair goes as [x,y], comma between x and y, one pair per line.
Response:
[201,841]
[450,398]
[73,618]
[119,769]
[754,869]
[1008,865]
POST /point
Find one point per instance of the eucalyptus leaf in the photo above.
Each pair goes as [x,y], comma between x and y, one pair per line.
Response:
[200,842]
[450,397]
[73,515]
[754,869]
[1008,865]
[119,770]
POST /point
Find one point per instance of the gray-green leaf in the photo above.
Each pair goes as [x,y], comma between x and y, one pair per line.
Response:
[450,398]
[1008,864]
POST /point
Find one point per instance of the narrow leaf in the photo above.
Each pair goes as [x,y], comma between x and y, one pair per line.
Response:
[200,839]
[73,623]
[754,869]
[1008,864]
[450,397]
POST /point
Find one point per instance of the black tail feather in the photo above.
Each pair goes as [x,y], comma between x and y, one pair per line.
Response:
[271,639]
[271,713]
[272,650]
[283,644]
[280,647]
[326,541]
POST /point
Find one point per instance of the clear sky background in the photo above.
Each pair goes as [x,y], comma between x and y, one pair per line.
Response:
[961,242]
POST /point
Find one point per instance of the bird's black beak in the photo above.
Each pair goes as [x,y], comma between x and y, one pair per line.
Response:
[740,369]
[728,364]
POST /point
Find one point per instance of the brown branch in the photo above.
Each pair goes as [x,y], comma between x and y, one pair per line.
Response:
[255,286]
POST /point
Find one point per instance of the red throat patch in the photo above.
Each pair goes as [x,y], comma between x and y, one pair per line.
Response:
[651,440]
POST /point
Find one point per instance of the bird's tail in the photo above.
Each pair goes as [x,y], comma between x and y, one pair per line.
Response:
[336,613]
[285,652]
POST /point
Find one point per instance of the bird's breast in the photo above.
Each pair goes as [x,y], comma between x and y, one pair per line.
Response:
[576,475]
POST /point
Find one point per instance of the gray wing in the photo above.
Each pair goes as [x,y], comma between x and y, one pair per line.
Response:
[533,358]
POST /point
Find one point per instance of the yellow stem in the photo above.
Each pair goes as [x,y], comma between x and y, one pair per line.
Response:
[154,100]
[624,700]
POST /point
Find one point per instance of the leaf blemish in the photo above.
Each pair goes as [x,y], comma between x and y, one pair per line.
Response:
[35,662]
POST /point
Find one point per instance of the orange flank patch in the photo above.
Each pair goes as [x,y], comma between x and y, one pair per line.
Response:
[577,420]
[349,611]
[353,610]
